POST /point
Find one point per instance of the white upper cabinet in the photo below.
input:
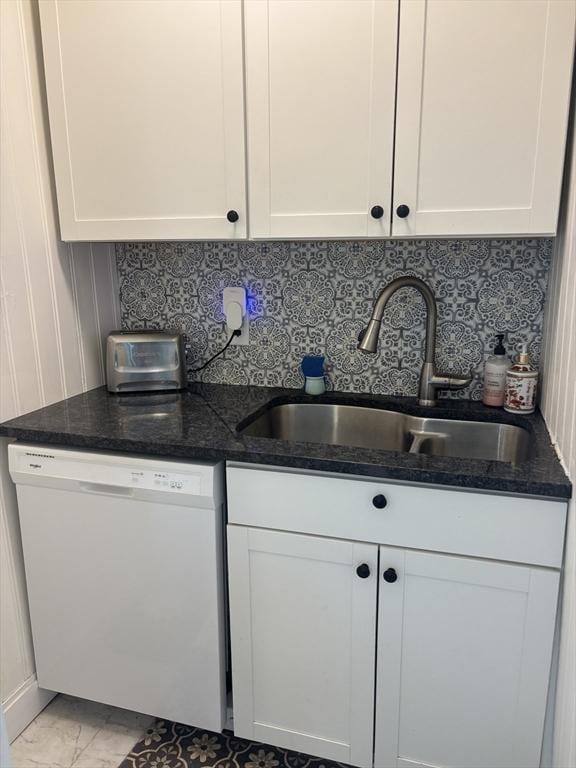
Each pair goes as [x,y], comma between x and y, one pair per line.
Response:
[320,80]
[454,112]
[483,99]
[146,117]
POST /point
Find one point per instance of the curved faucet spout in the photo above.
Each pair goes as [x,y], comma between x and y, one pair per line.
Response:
[430,380]
[369,341]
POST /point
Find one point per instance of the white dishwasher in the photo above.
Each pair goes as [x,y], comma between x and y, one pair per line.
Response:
[123,559]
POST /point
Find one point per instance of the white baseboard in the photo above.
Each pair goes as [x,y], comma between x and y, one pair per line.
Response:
[24,705]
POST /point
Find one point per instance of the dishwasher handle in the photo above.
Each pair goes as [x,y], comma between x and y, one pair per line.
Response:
[105,490]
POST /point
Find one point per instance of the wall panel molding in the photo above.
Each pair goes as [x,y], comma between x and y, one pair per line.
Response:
[58,301]
[558,405]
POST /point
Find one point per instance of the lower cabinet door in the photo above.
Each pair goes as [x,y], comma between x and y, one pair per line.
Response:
[464,649]
[303,629]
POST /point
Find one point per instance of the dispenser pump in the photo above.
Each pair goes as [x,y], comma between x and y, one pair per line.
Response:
[523,356]
[521,384]
[499,348]
[495,375]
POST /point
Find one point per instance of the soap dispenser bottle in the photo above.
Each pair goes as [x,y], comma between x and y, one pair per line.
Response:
[495,370]
[521,383]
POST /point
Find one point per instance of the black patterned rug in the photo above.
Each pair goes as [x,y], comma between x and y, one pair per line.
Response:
[171,745]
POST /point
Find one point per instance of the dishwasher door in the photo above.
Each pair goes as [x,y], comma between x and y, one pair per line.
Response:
[125,581]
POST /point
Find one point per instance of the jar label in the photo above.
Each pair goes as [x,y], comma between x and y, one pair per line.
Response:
[520,392]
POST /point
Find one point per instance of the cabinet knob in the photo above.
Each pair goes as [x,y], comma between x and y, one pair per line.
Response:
[232,216]
[363,571]
[402,211]
[377,212]
[379,501]
[390,575]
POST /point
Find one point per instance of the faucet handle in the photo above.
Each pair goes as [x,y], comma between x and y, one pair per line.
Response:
[450,381]
[459,382]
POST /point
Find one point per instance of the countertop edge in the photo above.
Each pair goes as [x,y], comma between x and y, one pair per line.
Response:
[549,491]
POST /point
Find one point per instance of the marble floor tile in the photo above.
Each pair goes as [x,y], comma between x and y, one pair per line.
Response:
[108,748]
[75,733]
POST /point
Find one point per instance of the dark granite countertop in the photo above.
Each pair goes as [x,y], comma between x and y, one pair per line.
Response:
[200,423]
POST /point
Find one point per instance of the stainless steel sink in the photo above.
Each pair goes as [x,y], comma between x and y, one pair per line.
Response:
[365,427]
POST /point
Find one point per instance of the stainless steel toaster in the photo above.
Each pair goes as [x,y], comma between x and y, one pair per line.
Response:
[145,361]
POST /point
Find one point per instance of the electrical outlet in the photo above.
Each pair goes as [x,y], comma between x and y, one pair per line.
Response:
[235,312]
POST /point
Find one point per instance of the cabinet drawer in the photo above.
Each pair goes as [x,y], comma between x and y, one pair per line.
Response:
[461,522]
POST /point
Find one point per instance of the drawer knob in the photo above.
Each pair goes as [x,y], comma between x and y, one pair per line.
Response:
[232,216]
[390,575]
[377,212]
[379,501]
[363,571]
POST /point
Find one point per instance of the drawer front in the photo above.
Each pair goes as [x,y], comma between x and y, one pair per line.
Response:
[510,528]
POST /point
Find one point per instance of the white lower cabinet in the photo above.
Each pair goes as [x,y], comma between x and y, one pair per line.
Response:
[464,650]
[391,656]
[303,626]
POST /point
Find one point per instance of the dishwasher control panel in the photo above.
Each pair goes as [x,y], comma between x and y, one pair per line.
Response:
[164,481]
[113,470]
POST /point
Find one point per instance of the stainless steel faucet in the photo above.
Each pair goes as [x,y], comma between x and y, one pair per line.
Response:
[430,380]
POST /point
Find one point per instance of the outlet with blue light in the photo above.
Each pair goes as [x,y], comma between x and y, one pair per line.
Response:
[235,308]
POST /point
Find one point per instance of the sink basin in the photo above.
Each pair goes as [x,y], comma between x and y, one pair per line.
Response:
[365,427]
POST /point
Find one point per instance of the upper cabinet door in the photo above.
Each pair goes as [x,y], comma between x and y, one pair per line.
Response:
[483,99]
[320,80]
[146,117]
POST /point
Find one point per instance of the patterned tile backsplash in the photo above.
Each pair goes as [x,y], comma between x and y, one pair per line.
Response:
[314,297]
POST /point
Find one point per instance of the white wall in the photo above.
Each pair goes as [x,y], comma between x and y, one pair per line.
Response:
[559,409]
[57,302]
